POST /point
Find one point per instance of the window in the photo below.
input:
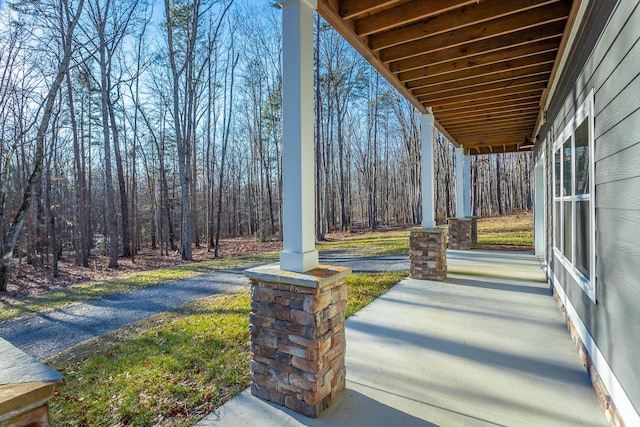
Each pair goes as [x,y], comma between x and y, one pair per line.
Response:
[573,208]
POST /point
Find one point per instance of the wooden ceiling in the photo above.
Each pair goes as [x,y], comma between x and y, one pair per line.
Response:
[482,67]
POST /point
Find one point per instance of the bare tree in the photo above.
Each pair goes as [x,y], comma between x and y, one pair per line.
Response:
[67,20]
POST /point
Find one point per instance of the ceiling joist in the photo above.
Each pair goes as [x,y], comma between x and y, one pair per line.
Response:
[481,66]
[471,14]
[478,49]
[504,25]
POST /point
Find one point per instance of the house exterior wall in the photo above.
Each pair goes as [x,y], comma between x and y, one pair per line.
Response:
[605,59]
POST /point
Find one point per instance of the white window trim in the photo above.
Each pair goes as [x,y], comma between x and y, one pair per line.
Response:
[585,110]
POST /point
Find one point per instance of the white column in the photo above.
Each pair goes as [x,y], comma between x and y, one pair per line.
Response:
[459,184]
[467,186]
[299,252]
[428,189]
[539,210]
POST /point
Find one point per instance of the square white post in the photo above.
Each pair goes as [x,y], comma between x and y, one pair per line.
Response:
[460,212]
[467,186]
[299,252]
[428,189]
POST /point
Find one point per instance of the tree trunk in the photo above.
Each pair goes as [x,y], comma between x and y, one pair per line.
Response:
[124,199]
[112,224]
[223,154]
[82,252]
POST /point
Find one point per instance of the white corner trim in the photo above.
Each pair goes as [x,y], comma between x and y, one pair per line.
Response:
[619,397]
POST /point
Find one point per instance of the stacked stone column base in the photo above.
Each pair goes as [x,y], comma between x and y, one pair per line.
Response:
[26,385]
[297,336]
[463,233]
[428,253]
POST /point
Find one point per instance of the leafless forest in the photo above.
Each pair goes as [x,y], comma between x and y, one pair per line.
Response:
[128,124]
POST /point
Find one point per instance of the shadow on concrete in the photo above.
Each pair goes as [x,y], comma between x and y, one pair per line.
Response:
[351,408]
[486,356]
[516,285]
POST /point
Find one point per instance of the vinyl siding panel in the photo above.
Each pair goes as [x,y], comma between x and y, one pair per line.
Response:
[623,135]
[609,196]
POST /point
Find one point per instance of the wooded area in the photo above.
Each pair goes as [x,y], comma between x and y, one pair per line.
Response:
[140,123]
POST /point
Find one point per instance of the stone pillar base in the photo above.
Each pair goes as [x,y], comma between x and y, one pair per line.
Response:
[428,253]
[463,233]
[297,336]
[27,385]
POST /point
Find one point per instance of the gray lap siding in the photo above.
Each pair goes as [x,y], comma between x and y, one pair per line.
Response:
[606,58]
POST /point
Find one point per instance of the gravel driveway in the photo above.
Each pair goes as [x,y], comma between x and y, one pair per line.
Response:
[46,334]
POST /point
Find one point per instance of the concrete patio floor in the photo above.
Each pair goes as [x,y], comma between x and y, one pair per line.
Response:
[478,349]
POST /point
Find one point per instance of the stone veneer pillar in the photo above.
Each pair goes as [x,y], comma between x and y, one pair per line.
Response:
[428,253]
[463,233]
[297,336]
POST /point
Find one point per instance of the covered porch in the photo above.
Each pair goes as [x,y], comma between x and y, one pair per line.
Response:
[487,346]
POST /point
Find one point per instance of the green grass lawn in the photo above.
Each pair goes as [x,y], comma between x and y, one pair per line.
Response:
[172,368]
[511,230]
[371,244]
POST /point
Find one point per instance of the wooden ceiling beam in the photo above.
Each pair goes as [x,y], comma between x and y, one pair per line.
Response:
[506,78]
[478,120]
[537,87]
[485,98]
[508,139]
[488,102]
[515,137]
[545,59]
[460,132]
[484,84]
[352,8]
[485,30]
[513,142]
[488,111]
[527,123]
[480,150]
[469,122]
[406,13]
[454,19]
[497,57]
[487,131]
[511,41]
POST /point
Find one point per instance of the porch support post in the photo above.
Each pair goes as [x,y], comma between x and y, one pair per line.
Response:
[467,201]
[298,307]
[428,188]
[460,213]
[299,253]
[461,228]
[428,244]
[467,185]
